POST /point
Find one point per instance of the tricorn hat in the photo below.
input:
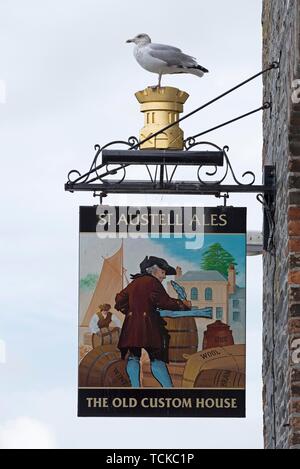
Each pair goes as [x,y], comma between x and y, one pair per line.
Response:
[161,263]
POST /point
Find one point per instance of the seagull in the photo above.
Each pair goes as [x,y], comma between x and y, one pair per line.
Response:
[163,59]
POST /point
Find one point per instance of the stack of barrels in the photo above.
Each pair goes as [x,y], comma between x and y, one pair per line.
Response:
[107,336]
[102,366]
[220,364]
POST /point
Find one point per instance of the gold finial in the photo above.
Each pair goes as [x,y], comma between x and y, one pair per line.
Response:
[161,106]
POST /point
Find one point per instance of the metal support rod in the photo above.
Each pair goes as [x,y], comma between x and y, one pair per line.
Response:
[263,107]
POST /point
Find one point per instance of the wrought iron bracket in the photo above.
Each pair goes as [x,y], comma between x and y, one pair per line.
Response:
[268,200]
[101,177]
[115,163]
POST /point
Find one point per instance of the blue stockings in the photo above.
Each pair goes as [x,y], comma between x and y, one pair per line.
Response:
[158,368]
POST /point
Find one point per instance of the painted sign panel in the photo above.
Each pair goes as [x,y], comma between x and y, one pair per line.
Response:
[162,311]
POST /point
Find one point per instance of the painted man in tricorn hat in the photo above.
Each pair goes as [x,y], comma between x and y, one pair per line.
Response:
[143,327]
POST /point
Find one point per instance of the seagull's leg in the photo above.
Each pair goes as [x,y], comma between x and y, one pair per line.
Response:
[159,80]
[154,87]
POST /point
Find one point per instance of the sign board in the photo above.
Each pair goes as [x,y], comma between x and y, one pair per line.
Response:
[162,309]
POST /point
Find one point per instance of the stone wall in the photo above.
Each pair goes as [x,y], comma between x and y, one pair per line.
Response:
[281,301]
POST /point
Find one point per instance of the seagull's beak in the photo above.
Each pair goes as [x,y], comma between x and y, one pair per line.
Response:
[129,40]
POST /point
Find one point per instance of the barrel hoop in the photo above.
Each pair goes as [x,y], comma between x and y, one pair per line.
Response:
[183,346]
[93,363]
[105,367]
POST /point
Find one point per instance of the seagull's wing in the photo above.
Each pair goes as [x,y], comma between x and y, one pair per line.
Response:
[172,56]
[155,46]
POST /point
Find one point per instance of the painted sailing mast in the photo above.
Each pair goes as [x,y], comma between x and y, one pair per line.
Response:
[110,282]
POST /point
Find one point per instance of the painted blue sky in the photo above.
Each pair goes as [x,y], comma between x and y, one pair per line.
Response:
[233,243]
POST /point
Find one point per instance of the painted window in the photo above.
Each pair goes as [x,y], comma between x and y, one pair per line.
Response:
[194,294]
[235,303]
[208,294]
[219,313]
[236,316]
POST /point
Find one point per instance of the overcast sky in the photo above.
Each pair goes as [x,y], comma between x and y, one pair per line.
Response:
[67,81]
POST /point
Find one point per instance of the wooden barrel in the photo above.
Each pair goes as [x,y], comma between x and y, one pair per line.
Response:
[90,367]
[231,358]
[175,369]
[220,379]
[217,334]
[106,336]
[183,338]
[114,375]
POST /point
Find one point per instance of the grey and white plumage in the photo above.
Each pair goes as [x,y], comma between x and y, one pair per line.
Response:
[163,59]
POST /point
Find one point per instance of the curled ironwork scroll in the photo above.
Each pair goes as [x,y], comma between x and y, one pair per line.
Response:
[100,172]
[93,174]
[192,143]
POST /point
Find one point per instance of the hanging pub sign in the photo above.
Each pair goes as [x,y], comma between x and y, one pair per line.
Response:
[162,311]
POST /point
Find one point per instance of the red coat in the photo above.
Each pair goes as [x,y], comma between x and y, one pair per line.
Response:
[139,301]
